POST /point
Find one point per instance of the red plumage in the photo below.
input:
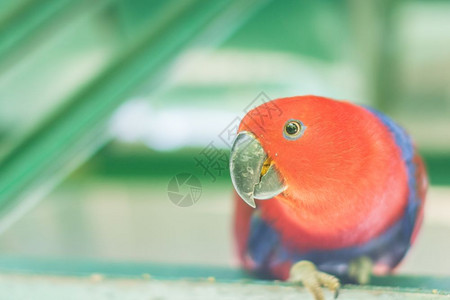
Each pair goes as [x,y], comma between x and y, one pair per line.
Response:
[347,181]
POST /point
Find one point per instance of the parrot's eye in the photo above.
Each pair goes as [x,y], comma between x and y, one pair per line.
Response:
[293,129]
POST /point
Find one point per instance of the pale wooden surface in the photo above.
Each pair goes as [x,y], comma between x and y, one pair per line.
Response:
[95,287]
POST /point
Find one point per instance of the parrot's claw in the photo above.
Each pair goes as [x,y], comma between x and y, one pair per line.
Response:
[360,269]
[306,272]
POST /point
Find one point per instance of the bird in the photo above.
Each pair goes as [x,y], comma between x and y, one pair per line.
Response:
[325,191]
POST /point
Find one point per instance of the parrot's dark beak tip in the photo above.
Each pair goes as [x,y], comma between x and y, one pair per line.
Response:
[248,199]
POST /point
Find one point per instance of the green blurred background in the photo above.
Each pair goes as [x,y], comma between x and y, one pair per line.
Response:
[102,102]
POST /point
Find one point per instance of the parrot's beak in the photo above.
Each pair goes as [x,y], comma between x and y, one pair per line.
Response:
[253,173]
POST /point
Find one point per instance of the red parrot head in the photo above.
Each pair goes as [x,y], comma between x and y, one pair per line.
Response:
[311,149]
[332,169]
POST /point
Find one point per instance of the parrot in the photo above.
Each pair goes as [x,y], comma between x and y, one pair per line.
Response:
[325,191]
